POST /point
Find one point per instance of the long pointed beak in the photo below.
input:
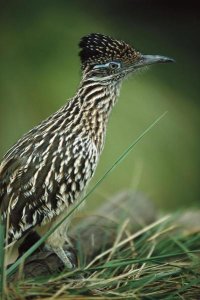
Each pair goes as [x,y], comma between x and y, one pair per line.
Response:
[146,60]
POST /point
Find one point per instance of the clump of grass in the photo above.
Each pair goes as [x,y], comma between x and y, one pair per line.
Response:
[153,263]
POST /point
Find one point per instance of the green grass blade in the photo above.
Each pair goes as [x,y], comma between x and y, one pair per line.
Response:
[2,273]
[115,164]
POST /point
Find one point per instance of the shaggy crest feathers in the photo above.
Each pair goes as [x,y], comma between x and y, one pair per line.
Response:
[99,48]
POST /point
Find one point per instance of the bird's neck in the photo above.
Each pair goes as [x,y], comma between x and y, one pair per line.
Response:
[96,101]
[97,97]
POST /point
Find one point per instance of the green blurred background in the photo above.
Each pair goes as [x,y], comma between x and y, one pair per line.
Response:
[40,69]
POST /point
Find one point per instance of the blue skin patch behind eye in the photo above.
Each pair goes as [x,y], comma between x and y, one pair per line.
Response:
[107,65]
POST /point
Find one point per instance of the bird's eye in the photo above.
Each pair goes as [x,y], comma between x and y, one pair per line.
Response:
[114,65]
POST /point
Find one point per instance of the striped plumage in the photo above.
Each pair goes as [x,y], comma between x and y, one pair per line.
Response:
[48,169]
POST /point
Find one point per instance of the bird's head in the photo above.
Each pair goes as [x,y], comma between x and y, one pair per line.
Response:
[106,59]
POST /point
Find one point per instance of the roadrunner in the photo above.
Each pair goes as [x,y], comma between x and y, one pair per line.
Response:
[45,173]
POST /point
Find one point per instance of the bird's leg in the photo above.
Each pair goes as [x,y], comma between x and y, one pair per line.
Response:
[63,248]
[60,243]
[66,256]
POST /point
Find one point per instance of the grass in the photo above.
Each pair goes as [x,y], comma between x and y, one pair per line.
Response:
[153,263]
[144,265]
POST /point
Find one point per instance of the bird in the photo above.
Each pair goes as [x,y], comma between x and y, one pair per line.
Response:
[47,171]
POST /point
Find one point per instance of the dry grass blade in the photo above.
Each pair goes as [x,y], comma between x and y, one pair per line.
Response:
[127,240]
[118,238]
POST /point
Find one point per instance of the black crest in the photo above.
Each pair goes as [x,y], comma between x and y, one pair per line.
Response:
[99,48]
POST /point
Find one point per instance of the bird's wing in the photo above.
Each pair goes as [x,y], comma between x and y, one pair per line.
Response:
[37,188]
[15,187]
[24,193]
[8,170]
